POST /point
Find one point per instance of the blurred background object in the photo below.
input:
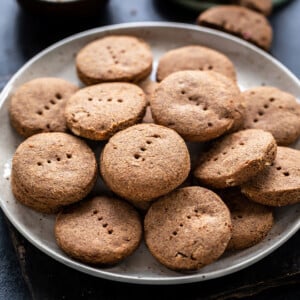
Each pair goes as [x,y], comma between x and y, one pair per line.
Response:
[63,7]
[201,5]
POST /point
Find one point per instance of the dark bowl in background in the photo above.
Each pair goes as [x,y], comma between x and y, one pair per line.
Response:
[63,8]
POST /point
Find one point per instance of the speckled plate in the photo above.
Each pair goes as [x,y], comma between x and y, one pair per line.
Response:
[254,67]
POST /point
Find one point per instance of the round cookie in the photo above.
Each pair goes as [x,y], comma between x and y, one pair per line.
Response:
[261,6]
[38,105]
[144,162]
[251,221]
[240,21]
[199,105]
[50,170]
[101,230]
[188,228]
[194,58]
[279,183]
[114,58]
[273,110]
[99,111]
[235,158]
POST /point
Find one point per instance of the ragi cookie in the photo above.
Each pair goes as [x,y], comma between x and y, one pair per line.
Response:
[235,158]
[194,58]
[101,230]
[99,111]
[188,228]
[50,170]
[144,162]
[261,6]
[279,183]
[273,110]
[38,105]
[114,58]
[240,21]
[251,221]
[199,105]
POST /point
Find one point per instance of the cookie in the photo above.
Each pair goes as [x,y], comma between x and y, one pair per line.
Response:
[199,105]
[114,58]
[38,106]
[279,183]
[264,7]
[101,230]
[50,170]
[273,110]
[194,58]
[240,21]
[251,221]
[188,228]
[144,162]
[148,86]
[235,158]
[99,111]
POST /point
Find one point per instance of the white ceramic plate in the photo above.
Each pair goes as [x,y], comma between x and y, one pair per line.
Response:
[254,68]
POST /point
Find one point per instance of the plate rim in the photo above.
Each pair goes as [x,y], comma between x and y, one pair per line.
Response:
[129,278]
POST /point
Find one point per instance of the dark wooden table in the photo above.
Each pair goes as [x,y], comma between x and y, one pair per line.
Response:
[26,273]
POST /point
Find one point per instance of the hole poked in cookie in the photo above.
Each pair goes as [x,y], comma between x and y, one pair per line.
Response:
[53,102]
[286,173]
[69,155]
[39,163]
[104,225]
[137,156]
[58,96]
[110,231]
[271,99]
[95,211]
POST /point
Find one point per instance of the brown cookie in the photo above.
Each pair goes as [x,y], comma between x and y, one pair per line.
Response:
[199,105]
[240,21]
[194,58]
[50,170]
[38,105]
[251,221]
[188,228]
[101,230]
[279,183]
[236,158]
[273,110]
[144,162]
[261,6]
[99,111]
[148,86]
[114,58]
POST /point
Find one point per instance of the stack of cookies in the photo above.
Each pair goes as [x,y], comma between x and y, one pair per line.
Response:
[188,212]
